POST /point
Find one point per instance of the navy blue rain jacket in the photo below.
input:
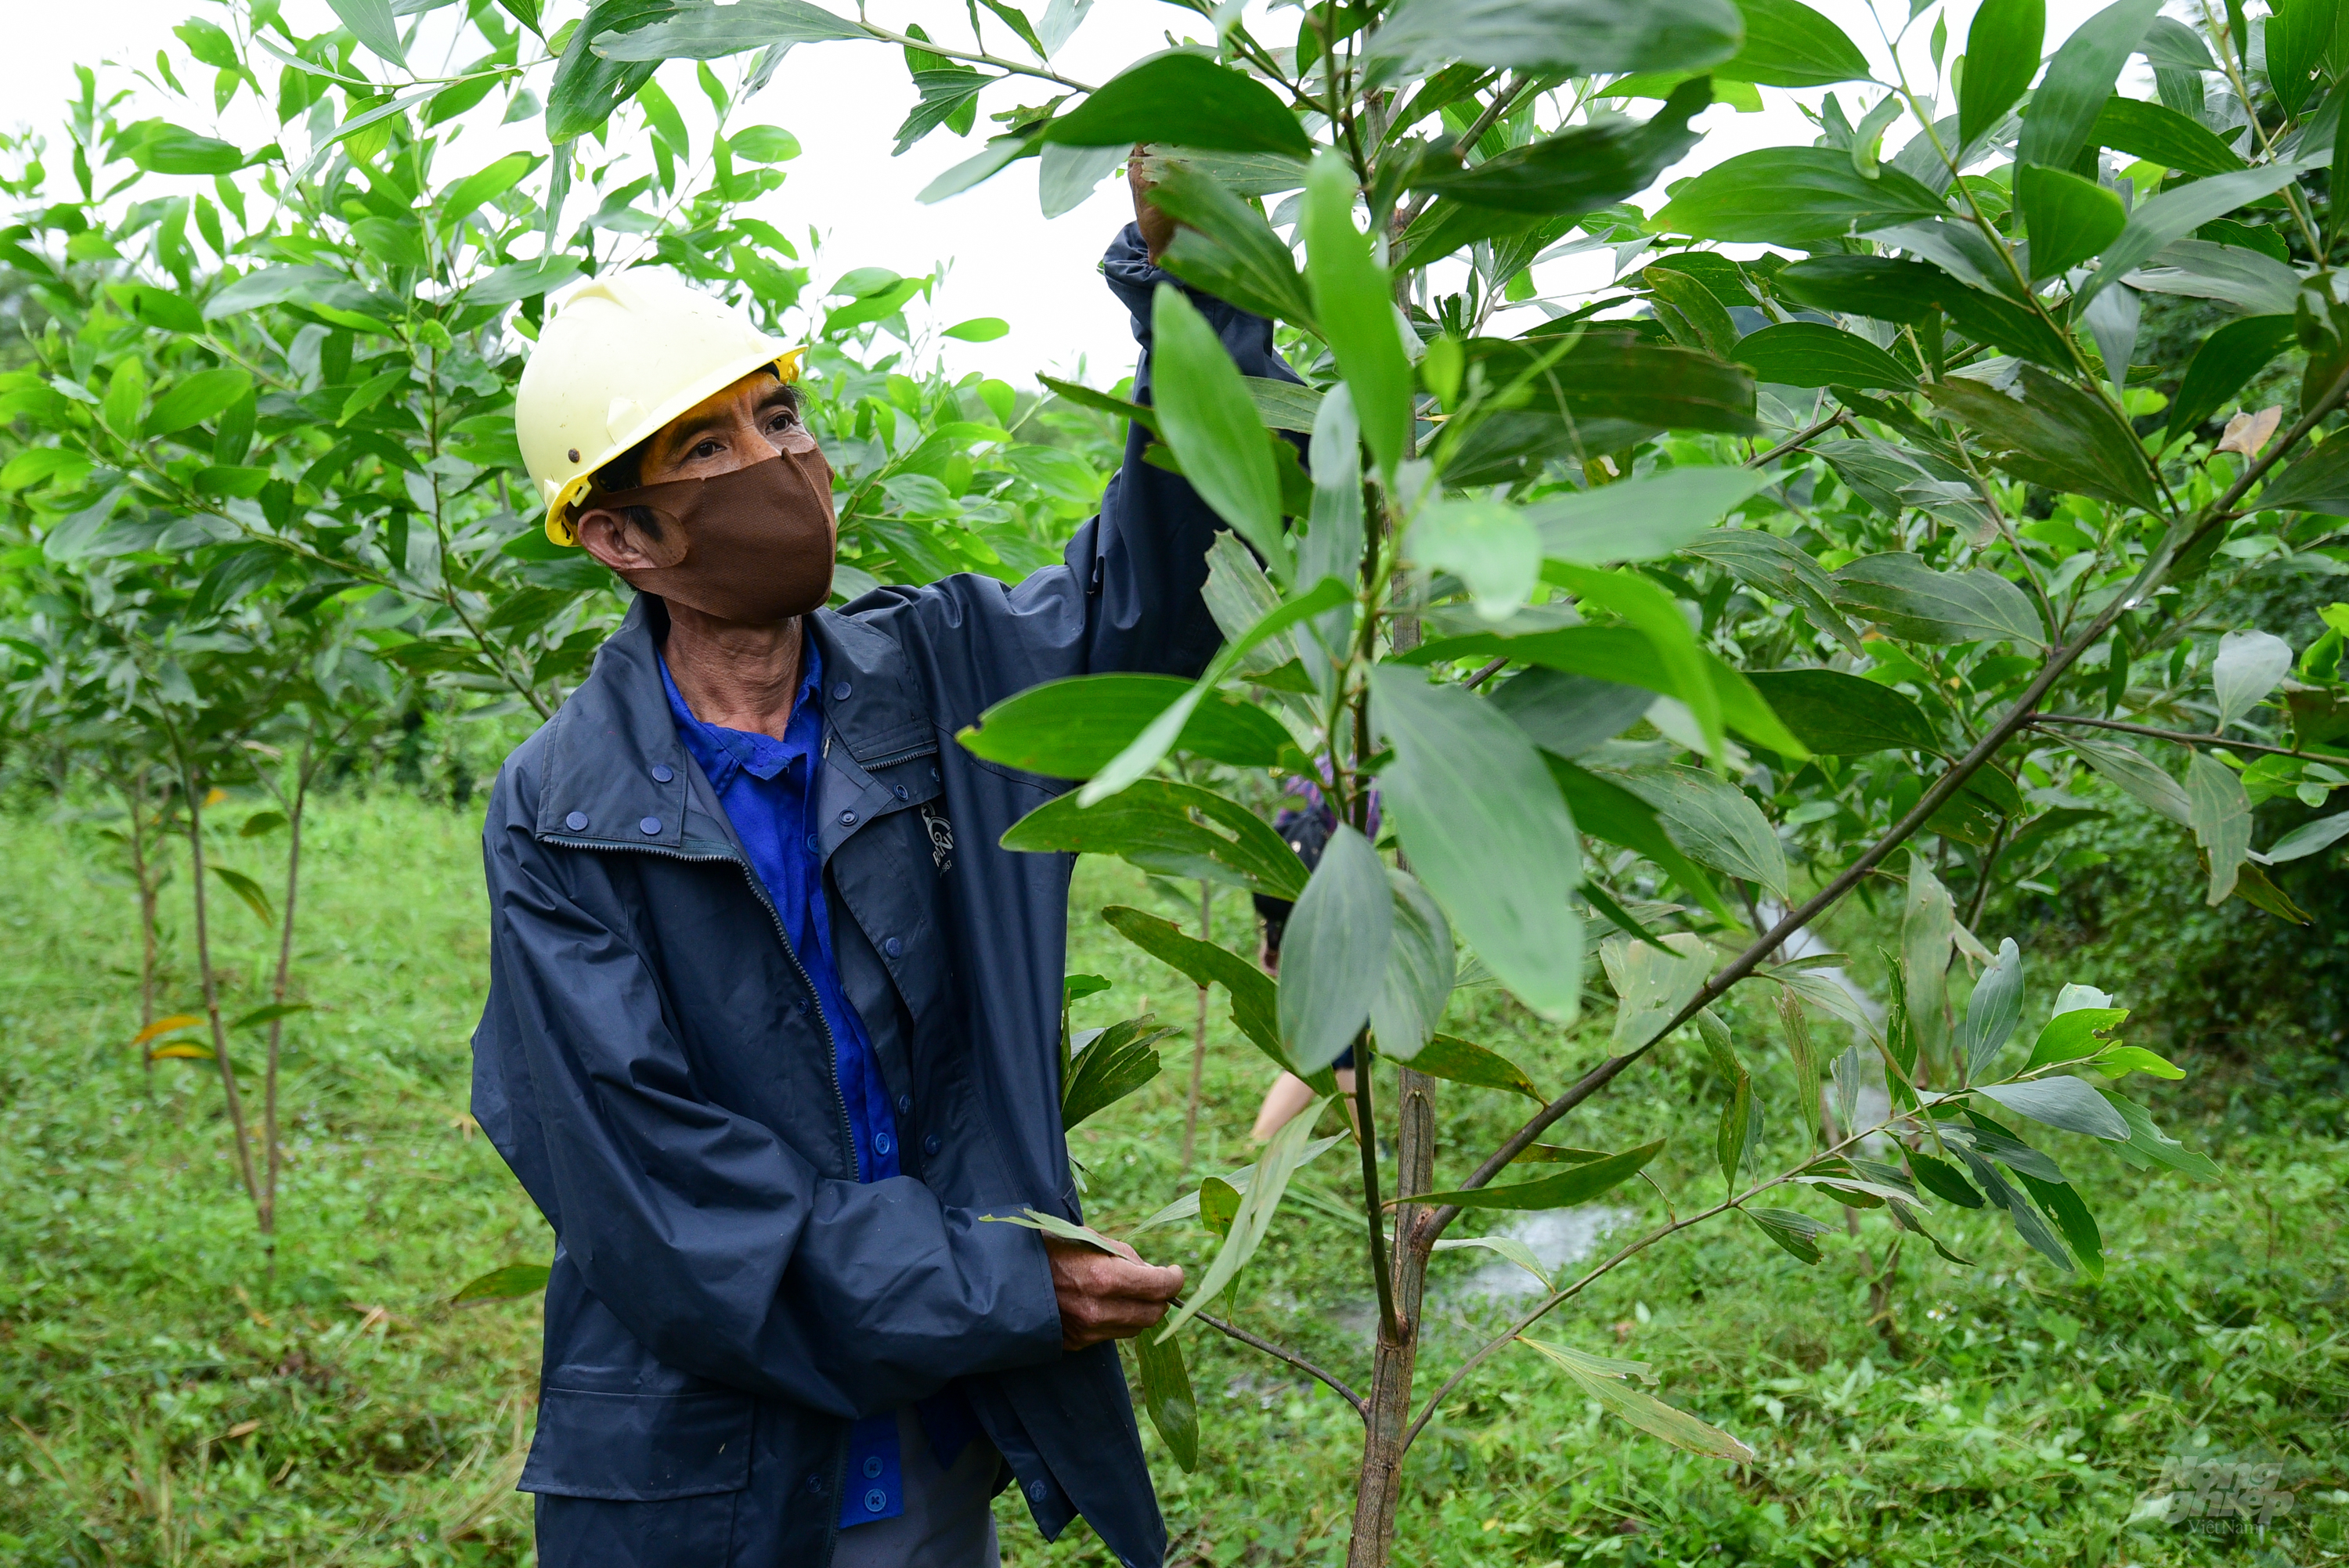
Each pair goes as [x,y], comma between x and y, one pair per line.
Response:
[726,1297]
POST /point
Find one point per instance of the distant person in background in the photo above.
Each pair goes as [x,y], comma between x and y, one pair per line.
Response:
[1306,829]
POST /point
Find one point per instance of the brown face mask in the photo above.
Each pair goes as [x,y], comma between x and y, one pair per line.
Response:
[757,542]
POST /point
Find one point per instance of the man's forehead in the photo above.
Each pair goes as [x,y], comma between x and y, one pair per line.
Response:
[753,392]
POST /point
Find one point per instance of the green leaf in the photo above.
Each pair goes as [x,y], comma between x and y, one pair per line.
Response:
[2318,481]
[1995,1010]
[1355,307]
[1508,1247]
[1812,354]
[1279,1162]
[1121,1060]
[1807,197]
[1073,986]
[2002,56]
[1175,829]
[2152,1146]
[1657,615]
[1944,1180]
[1188,1207]
[1641,519]
[1604,1381]
[1228,248]
[1885,289]
[1713,821]
[763,144]
[1488,544]
[2079,79]
[2299,34]
[371,22]
[1455,1060]
[2250,664]
[2220,812]
[2179,211]
[1795,1232]
[1219,1205]
[1253,1006]
[1206,417]
[1072,728]
[250,892]
[2151,130]
[1421,970]
[2311,838]
[1628,657]
[269,1015]
[483,185]
[1729,1138]
[1839,715]
[1608,376]
[1333,954]
[1607,812]
[1927,924]
[1152,745]
[1577,169]
[2054,435]
[260,823]
[1086,397]
[2222,364]
[1187,101]
[2069,219]
[1781,568]
[1488,832]
[1916,604]
[159,147]
[197,399]
[588,84]
[1567,715]
[157,307]
[1560,37]
[2136,775]
[507,1284]
[1652,984]
[2061,1202]
[709,32]
[1166,1396]
[2064,1102]
[1562,1190]
[1788,45]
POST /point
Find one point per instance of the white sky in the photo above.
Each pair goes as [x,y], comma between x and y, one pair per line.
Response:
[843,102]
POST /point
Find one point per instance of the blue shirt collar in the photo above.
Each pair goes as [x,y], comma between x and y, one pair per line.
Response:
[722,752]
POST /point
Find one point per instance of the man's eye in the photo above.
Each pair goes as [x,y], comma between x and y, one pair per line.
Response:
[707,449]
[783,419]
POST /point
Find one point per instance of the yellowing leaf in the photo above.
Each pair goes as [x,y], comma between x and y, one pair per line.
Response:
[165,1027]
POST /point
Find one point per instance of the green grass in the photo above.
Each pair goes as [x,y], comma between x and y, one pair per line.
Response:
[173,1400]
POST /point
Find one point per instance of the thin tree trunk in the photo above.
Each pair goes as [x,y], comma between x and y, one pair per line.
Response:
[268,1205]
[211,991]
[1199,1032]
[1378,1489]
[135,793]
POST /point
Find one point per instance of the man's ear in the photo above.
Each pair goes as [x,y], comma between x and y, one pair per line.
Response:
[612,538]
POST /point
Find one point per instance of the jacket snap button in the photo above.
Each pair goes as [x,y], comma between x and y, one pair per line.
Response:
[932,1144]
[875,1500]
[651,826]
[883,1143]
[1038,1491]
[872,1467]
[840,692]
[810,844]
[893,947]
[904,1105]
[901,791]
[814,1484]
[662,773]
[576,821]
[848,819]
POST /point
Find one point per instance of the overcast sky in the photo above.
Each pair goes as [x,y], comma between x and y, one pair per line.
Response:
[843,102]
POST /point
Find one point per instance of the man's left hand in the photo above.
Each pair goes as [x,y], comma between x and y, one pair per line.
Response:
[1104,1297]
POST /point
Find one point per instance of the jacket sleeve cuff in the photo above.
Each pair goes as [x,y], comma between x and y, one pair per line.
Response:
[1024,1318]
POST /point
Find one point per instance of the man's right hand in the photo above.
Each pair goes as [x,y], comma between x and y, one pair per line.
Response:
[1104,1297]
[1156,224]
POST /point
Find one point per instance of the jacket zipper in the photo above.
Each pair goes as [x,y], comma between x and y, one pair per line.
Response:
[831,1047]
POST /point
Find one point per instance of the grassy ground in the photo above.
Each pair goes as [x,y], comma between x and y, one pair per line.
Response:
[171,1399]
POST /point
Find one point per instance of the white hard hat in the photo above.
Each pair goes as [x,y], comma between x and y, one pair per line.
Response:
[620,357]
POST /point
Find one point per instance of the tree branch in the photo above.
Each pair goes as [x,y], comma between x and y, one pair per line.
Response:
[2017,717]
[1234,1331]
[2041,720]
[1800,438]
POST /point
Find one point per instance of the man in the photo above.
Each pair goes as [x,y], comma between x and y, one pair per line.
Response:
[772,1018]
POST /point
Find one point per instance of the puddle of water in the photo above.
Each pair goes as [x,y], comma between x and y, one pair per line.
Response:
[1557,1237]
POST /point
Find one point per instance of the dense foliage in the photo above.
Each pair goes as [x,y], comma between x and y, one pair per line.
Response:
[1861,559]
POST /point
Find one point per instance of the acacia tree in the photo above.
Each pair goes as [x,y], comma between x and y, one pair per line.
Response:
[1864,544]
